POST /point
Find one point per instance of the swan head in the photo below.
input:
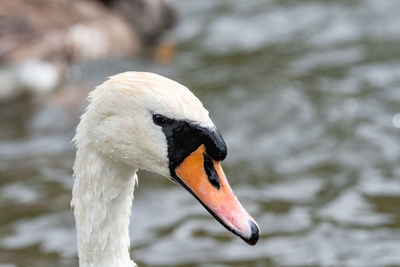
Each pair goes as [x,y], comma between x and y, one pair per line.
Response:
[146,121]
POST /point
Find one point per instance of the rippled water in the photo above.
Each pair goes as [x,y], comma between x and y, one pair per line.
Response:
[307,97]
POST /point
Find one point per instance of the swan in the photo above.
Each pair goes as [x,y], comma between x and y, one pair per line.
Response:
[39,40]
[139,120]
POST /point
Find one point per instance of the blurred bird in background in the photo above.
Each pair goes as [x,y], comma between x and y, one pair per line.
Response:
[39,39]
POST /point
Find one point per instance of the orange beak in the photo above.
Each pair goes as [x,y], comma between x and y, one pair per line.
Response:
[205,179]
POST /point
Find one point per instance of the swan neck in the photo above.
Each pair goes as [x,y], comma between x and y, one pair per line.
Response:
[102,201]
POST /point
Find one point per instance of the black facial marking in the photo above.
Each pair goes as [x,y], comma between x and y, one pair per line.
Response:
[210,171]
[184,137]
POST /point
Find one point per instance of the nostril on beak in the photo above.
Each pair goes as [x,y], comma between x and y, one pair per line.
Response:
[255,234]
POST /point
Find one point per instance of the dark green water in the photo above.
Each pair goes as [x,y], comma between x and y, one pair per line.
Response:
[307,97]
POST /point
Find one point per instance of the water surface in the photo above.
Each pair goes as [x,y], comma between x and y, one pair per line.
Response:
[307,97]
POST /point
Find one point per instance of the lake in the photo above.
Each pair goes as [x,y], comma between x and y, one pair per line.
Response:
[307,97]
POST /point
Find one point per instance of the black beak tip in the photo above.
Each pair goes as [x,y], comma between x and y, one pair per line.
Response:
[255,234]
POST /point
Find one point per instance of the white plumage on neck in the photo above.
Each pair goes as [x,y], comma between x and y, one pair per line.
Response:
[102,201]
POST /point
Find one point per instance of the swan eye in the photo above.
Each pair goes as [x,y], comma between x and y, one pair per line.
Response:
[160,120]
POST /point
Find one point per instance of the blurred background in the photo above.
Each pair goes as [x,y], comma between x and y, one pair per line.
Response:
[305,93]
